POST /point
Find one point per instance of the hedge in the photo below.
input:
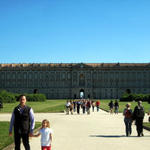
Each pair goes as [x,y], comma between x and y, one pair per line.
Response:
[7,97]
[135,97]
[36,97]
[33,97]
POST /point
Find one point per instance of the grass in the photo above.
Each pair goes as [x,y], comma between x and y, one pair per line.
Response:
[5,139]
[47,106]
[4,126]
[147,124]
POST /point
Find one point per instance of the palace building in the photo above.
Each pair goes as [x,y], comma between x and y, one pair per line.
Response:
[76,80]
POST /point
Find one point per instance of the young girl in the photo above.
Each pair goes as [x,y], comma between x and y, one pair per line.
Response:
[46,135]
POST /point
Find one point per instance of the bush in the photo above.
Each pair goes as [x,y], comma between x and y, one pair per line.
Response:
[7,97]
[135,97]
[127,97]
[35,97]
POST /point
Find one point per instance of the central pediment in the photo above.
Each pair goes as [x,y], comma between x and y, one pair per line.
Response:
[81,65]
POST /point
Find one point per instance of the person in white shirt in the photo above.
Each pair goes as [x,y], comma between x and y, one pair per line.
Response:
[46,135]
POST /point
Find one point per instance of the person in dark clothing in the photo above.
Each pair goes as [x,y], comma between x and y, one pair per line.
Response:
[116,105]
[23,122]
[138,116]
[111,106]
[78,107]
[83,106]
[1,104]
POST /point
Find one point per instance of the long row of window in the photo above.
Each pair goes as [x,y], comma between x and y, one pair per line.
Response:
[75,75]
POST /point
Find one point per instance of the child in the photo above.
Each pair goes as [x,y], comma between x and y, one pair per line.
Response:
[46,135]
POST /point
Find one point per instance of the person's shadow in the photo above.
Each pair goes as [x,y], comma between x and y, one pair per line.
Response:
[108,136]
[114,136]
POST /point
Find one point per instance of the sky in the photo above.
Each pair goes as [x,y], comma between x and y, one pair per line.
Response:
[74,31]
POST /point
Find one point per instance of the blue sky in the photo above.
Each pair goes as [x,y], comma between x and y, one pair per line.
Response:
[74,31]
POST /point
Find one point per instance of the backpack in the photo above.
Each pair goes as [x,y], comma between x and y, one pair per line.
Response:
[128,113]
[140,112]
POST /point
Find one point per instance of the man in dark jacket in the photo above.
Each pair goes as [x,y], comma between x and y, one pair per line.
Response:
[138,116]
[23,122]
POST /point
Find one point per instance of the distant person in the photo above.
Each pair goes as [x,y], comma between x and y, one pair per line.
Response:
[78,106]
[97,105]
[74,105]
[83,105]
[71,107]
[1,104]
[88,106]
[149,116]
[67,107]
[138,115]
[111,106]
[93,105]
[116,107]
[128,119]
[46,135]
[23,121]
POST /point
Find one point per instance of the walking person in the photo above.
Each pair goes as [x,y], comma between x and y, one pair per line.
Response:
[71,107]
[78,106]
[97,105]
[111,106]
[116,105]
[74,105]
[93,105]
[46,135]
[83,106]
[22,120]
[138,115]
[88,106]
[67,107]
[128,119]
[149,116]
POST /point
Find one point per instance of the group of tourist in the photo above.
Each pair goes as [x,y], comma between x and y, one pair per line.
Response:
[83,105]
[113,107]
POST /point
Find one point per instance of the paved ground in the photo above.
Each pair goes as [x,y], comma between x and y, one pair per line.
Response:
[98,131]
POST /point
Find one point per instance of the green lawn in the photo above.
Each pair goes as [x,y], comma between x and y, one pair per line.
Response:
[147,124]
[4,126]
[47,106]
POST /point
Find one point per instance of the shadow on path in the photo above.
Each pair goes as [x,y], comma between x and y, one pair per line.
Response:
[108,136]
[115,136]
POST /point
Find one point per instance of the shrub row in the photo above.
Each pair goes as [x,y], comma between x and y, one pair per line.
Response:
[7,97]
[35,97]
[135,97]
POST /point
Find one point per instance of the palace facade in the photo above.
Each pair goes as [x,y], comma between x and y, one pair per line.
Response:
[73,80]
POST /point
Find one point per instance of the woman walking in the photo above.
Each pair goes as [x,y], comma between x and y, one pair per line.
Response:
[128,119]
